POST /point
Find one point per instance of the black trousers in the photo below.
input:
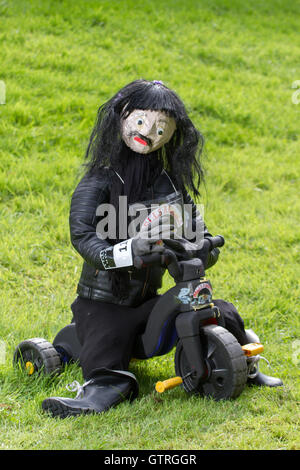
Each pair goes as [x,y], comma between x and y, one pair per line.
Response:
[107,331]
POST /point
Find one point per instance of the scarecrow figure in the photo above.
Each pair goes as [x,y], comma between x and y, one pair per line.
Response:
[145,148]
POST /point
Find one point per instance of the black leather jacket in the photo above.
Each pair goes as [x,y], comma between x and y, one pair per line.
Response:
[95,282]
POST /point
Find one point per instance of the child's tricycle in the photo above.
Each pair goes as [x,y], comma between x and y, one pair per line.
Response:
[208,358]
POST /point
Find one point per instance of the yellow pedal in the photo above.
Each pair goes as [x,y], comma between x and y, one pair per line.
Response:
[29,368]
[161,387]
[252,349]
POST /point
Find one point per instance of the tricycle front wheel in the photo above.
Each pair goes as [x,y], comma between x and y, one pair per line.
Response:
[226,366]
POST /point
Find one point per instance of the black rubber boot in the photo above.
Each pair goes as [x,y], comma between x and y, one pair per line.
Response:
[255,377]
[106,389]
[262,380]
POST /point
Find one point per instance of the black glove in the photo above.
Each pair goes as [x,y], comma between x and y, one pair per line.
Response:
[150,240]
[146,242]
[186,250]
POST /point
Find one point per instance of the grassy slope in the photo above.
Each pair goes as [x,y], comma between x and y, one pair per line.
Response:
[233,64]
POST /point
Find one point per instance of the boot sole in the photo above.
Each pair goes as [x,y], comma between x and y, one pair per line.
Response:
[61,410]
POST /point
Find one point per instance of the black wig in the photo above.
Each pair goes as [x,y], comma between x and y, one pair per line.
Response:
[180,156]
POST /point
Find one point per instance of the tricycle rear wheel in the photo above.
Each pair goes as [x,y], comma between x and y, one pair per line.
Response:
[37,355]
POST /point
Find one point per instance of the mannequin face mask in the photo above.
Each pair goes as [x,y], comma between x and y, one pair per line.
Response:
[145,131]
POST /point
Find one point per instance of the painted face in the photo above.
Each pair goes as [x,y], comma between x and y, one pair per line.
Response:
[145,131]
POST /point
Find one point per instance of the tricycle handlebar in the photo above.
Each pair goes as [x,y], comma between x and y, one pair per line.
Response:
[168,256]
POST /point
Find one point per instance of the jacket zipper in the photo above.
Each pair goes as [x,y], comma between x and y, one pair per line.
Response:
[145,283]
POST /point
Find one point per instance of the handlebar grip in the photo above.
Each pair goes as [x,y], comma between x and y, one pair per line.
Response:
[217,241]
[147,260]
[159,259]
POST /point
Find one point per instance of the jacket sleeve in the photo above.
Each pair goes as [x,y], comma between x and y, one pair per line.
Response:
[198,222]
[90,192]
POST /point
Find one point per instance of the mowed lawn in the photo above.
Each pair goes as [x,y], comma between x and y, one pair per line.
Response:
[234,64]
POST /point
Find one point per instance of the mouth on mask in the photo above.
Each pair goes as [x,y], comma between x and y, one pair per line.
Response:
[142,140]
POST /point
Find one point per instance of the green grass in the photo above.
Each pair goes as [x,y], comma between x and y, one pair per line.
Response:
[233,64]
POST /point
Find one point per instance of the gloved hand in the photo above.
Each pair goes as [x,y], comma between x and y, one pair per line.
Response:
[145,242]
[186,250]
[145,246]
[209,256]
[149,239]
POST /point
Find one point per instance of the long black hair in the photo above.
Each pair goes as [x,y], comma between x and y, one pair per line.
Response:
[180,157]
